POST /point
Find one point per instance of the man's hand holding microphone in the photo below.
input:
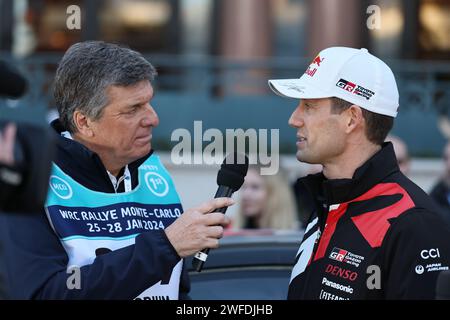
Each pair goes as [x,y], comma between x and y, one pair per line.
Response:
[199,229]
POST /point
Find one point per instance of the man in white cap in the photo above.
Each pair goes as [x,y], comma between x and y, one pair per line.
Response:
[373,233]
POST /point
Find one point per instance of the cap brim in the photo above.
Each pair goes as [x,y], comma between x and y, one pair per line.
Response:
[295,88]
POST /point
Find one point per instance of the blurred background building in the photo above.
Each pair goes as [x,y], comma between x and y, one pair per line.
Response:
[214,58]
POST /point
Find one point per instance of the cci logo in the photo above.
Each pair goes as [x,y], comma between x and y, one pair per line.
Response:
[157,184]
[60,187]
[432,253]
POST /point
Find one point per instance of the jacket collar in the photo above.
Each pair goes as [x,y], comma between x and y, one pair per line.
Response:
[86,160]
[372,172]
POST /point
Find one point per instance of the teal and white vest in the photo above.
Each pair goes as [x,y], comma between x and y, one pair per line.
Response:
[87,220]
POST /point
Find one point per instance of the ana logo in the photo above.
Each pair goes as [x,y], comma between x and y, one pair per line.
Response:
[419,269]
[60,187]
[157,184]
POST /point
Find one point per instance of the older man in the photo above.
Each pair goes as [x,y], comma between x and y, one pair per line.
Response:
[113,227]
[373,233]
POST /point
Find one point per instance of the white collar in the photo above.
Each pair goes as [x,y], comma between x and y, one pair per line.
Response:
[126,177]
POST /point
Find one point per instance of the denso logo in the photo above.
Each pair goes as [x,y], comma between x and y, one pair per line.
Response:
[341,272]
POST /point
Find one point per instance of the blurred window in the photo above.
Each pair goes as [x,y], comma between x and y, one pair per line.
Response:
[195,21]
[434,26]
[145,25]
[386,41]
[48,21]
[141,24]
[290,17]
[257,283]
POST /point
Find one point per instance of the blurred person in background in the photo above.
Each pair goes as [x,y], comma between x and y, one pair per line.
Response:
[12,85]
[7,138]
[266,202]
[401,153]
[441,191]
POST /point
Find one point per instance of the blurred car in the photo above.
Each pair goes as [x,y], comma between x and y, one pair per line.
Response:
[248,265]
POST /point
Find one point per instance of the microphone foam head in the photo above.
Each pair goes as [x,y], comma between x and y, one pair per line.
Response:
[233,171]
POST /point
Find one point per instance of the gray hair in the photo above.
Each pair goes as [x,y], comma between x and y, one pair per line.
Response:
[87,69]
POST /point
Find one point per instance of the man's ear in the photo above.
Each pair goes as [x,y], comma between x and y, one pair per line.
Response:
[355,118]
[83,124]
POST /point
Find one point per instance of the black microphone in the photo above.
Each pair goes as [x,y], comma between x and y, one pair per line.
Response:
[443,286]
[12,83]
[229,179]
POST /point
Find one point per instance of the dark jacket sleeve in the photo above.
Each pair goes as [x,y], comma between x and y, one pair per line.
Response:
[185,283]
[416,248]
[36,263]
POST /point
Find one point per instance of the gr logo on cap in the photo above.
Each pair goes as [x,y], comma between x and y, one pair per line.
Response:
[350,74]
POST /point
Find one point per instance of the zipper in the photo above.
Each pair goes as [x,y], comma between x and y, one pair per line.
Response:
[320,232]
[316,245]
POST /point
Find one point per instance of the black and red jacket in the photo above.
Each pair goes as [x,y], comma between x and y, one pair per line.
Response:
[375,236]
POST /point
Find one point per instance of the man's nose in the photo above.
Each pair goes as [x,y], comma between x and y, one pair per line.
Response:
[151,117]
[296,119]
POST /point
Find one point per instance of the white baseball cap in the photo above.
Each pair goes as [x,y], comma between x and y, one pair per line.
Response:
[353,75]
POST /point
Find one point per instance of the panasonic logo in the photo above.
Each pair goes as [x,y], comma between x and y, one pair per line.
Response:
[337,286]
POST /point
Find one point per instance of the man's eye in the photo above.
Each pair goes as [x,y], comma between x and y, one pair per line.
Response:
[133,109]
